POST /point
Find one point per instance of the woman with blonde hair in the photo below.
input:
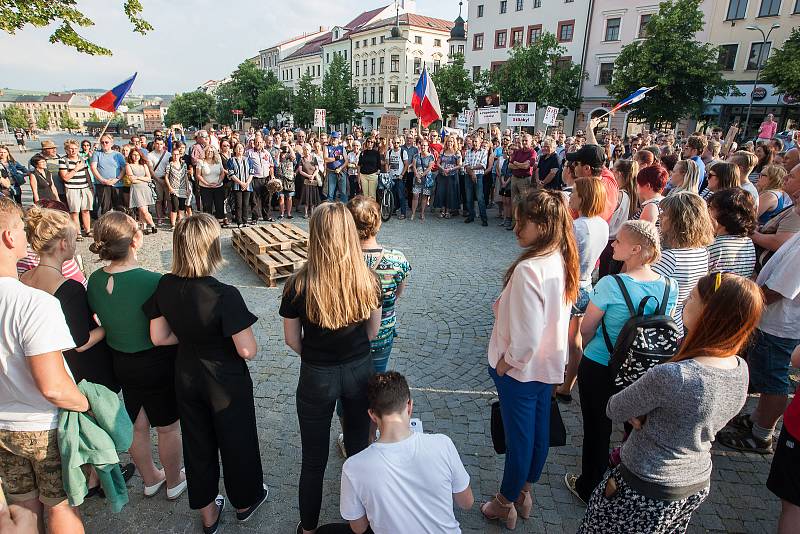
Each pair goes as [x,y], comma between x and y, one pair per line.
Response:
[528,349]
[139,176]
[146,372]
[447,197]
[212,192]
[210,323]
[685,176]
[771,198]
[331,309]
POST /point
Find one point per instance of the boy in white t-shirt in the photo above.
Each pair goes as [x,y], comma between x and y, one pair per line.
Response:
[405,481]
[34,384]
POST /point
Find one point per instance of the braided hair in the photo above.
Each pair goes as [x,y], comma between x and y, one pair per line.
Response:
[646,235]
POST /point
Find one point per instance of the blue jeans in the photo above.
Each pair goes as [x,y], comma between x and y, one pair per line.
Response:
[340,181]
[475,190]
[399,189]
[525,407]
[769,360]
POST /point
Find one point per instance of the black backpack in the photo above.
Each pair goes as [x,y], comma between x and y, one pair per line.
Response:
[644,341]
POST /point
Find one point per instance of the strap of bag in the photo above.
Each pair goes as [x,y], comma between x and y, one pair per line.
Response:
[159,161]
[631,309]
[662,310]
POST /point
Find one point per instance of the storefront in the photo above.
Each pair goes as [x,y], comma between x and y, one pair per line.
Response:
[727,111]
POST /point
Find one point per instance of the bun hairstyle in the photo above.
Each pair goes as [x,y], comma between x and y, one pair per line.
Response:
[44,227]
[366,214]
[113,235]
[645,234]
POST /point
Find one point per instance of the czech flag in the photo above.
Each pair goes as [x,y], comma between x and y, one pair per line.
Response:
[111,100]
[633,98]
[425,100]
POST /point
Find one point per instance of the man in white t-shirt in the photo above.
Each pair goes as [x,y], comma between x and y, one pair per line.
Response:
[34,384]
[405,481]
[158,160]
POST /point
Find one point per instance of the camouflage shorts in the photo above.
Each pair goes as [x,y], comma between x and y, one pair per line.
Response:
[30,465]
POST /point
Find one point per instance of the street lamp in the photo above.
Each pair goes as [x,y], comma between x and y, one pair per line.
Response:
[765,38]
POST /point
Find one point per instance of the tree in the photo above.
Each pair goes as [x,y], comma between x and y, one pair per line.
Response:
[684,72]
[94,117]
[783,66]
[339,97]
[241,92]
[43,120]
[66,122]
[537,73]
[454,86]
[272,102]
[16,14]
[16,117]
[190,109]
[484,85]
[304,101]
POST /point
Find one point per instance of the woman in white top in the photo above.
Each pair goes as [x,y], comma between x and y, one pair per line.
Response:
[212,193]
[528,349]
[588,199]
[685,176]
[139,176]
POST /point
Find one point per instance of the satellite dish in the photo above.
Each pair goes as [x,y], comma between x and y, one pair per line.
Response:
[123,109]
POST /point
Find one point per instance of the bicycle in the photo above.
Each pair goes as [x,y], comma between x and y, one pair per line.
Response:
[385,196]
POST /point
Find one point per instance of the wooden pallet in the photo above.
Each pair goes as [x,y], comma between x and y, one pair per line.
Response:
[272,252]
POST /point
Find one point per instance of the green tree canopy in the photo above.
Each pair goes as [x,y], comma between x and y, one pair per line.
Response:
[94,117]
[16,14]
[190,109]
[783,66]
[16,117]
[684,72]
[241,92]
[454,86]
[537,73]
[273,101]
[484,84]
[66,122]
[305,100]
[43,120]
[339,98]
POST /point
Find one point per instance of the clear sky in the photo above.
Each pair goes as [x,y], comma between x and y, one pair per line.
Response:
[192,41]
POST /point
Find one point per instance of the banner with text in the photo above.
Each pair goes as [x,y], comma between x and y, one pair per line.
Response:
[466,119]
[390,125]
[319,118]
[551,116]
[489,115]
[522,114]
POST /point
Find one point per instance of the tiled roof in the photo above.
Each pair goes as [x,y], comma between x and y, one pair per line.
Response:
[363,18]
[409,19]
[59,98]
[292,39]
[311,48]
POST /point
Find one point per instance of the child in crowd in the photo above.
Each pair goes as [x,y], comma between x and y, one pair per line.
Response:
[733,217]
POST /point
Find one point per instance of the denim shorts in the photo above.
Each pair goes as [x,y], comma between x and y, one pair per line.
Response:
[579,308]
[769,361]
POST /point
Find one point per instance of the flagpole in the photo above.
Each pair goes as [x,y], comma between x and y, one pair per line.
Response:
[102,133]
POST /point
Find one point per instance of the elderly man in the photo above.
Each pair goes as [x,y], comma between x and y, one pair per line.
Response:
[262,167]
[158,161]
[108,167]
[50,155]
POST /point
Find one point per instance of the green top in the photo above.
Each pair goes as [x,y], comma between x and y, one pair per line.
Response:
[120,313]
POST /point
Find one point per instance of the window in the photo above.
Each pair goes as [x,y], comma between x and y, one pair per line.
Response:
[436,65]
[319,70]
[644,20]
[503,6]
[345,55]
[612,29]
[500,37]
[372,71]
[563,62]
[372,95]
[358,44]
[516,36]
[364,94]
[417,39]
[496,65]
[393,92]
[797,6]
[476,73]
[374,41]
[769,8]
[358,73]
[520,4]
[566,28]
[537,3]
[727,56]
[417,65]
[452,50]
[380,65]
[437,42]
[534,33]
[737,9]
[395,65]
[461,47]
[327,58]
[477,41]
[380,95]
[365,67]
[606,71]
[365,42]
[480,10]
[758,50]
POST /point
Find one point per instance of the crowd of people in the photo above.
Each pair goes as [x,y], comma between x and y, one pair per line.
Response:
[659,274]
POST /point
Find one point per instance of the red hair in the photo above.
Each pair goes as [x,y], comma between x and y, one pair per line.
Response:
[654,176]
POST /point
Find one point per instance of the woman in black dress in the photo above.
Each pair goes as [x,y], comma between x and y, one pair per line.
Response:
[211,325]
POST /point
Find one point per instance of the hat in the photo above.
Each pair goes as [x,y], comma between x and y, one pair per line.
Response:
[591,155]
[48,144]
[336,135]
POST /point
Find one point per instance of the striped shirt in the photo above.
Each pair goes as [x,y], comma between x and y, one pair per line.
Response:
[392,272]
[240,169]
[686,266]
[732,254]
[70,268]
[473,158]
[80,179]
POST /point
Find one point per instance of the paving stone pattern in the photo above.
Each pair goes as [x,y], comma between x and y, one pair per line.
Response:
[444,323]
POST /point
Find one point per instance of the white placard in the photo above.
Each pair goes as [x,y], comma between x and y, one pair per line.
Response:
[489,115]
[551,116]
[466,119]
[522,114]
[319,118]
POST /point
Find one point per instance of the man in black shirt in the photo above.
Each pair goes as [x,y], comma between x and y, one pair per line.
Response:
[549,165]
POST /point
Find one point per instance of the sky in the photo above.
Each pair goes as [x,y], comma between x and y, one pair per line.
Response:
[192,41]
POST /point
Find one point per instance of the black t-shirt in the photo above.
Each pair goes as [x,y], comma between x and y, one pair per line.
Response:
[203,313]
[322,346]
[369,161]
[187,159]
[545,166]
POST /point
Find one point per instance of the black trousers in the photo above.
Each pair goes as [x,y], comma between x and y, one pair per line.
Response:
[242,206]
[260,199]
[213,199]
[317,391]
[488,183]
[218,420]
[594,382]
[110,197]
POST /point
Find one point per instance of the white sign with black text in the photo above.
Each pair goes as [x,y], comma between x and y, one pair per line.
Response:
[489,115]
[319,118]
[521,114]
[551,116]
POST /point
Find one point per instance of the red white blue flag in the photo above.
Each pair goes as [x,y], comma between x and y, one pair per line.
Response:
[111,100]
[633,98]
[425,100]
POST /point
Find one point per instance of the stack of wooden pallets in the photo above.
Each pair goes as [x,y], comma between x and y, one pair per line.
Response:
[273,252]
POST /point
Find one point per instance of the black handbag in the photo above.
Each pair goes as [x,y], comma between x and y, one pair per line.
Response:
[558,432]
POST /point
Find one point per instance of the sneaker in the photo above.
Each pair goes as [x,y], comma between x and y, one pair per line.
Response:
[340,445]
[220,502]
[484,222]
[745,441]
[570,481]
[248,513]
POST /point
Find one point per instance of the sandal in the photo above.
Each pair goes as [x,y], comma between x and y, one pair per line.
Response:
[524,504]
[270,219]
[509,515]
[79,238]
[746,442]
[741,422]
